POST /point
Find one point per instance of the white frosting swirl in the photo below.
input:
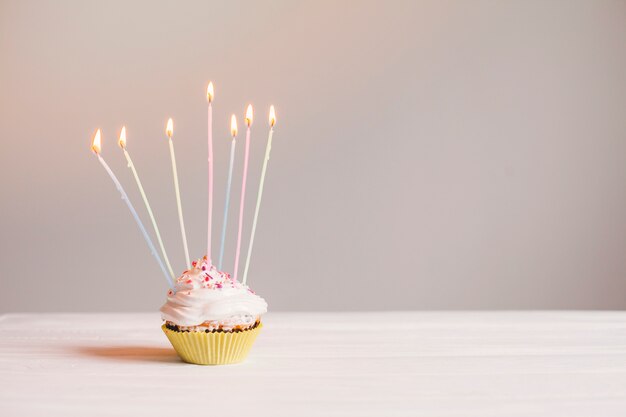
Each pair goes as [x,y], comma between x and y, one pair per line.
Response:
[205,294]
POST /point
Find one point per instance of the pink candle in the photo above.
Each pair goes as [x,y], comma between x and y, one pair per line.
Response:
[243,189]
[209,96]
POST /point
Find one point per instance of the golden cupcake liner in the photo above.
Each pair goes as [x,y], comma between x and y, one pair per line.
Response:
[217,348]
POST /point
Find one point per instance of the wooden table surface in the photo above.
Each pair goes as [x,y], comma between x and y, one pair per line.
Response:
[322,364]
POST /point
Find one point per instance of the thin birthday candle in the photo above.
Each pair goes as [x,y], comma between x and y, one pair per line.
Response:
[209,96]
[268,148]
[170,131]
[96,147]
[243,189]
[122,143]
[233,132]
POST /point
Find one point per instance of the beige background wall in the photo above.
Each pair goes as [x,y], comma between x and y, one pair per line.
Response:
[467,154]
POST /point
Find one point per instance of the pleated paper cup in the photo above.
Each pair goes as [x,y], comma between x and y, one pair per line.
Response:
[216,348]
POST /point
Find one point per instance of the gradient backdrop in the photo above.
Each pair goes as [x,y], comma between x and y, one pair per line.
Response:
[428,155]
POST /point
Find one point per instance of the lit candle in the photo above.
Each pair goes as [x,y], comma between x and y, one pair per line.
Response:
[233,132]
[170,131]
[122,143]
[96,147]
[209,96]
[243,189]
[268,148]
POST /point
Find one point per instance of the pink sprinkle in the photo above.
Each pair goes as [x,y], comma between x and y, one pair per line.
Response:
[188,281]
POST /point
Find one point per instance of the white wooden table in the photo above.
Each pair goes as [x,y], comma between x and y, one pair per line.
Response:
[326,364]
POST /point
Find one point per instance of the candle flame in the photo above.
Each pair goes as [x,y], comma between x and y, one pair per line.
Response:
[122,140]
[96,144]
[209,92]
[249,115]
[272,116]
[170,128]
[233,125]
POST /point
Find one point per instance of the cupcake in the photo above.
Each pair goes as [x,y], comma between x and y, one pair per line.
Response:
[211,319]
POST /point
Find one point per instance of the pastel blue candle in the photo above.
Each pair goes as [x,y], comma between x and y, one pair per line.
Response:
[227,203]
[137,219]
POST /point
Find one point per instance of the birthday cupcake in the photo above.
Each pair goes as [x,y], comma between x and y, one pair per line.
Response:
[211,319]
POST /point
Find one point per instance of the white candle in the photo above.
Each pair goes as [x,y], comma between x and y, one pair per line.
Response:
[170,131]
[122,143]
[268,148]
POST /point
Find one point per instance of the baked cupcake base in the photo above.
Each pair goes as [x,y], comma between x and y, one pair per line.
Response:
[215,347]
